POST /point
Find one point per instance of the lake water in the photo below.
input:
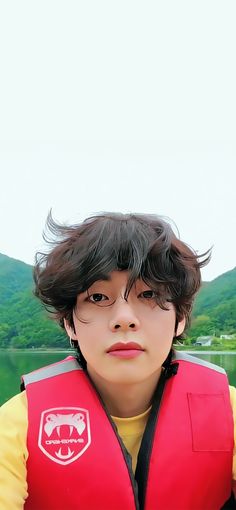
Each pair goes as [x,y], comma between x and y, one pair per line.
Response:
[15,363]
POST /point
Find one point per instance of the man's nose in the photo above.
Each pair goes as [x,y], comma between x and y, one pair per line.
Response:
[124,317]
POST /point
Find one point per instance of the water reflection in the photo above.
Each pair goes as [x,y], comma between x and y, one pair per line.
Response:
[225,360]
[13,364]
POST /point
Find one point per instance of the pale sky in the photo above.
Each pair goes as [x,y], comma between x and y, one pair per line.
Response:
[119,106]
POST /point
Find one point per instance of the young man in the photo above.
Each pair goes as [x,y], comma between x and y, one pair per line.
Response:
[128,423]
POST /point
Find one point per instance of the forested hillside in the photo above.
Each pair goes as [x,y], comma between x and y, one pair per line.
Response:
[24,323]
[214,312]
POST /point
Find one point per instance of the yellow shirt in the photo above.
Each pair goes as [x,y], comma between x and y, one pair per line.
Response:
[131,432]
[14,454]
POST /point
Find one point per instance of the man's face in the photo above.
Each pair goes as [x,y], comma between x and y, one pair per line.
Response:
[105,323]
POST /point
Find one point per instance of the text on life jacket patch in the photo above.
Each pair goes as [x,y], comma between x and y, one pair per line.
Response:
[64,433]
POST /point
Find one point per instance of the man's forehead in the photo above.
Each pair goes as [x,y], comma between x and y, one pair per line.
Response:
[117,277]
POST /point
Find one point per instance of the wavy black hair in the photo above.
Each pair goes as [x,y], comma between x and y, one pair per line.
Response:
[143,244]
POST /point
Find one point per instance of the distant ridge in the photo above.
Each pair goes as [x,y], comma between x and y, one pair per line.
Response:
[214,312]
[221,289]
[20,277]
[23,321]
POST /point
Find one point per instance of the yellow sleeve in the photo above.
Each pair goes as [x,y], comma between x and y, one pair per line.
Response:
[13,453]
[232,391]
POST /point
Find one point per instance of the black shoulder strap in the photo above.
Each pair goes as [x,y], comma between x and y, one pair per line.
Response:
[230,504]
[22,386]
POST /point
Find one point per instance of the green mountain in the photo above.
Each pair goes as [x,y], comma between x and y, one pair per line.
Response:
[214,311]
[24,322]
[15,276]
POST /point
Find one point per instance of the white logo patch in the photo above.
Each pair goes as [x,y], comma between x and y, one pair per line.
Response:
[64,433]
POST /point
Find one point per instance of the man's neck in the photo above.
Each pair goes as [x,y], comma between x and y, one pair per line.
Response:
[126,400]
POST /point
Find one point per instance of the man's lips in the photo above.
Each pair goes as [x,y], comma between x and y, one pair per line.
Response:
[122,346]
[125,350]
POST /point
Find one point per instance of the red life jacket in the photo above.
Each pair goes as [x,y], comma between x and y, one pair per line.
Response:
[77,460]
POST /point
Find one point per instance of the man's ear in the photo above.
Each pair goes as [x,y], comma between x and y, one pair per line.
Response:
[180,327]
[70,330]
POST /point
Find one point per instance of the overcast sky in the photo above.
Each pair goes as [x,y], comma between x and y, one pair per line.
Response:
[122,106]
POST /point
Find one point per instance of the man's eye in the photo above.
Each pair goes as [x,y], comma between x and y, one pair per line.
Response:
[97,298]
[148,294]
